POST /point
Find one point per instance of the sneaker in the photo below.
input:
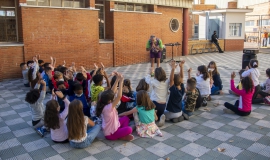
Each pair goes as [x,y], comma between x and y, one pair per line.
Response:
[40,131]
[267,100]
[129,137]
[161,121]
[228,111]
[221,52]
[186,117]
[181,118]
[204,103]
[174,120]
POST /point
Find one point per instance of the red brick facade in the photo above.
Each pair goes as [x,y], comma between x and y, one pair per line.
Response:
[233,44]
[10,60]
[73,35]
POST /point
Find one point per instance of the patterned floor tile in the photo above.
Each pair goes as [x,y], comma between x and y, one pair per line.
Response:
[195,149]
[161,149]
[213,124]
[165,136]
[97,147]
[230,150]
[249,135]
[190,136]
[263,123]
[256,147]
[187,124]
[207,115]
[239,124]
[128,149]
[220,135]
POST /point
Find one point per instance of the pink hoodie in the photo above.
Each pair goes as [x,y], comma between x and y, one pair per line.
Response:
[245,99]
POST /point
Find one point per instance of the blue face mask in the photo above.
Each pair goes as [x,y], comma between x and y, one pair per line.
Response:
[78,95]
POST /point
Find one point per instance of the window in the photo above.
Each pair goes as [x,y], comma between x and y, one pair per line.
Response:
[130,7]
[174,25]
[57,3]
[8,30]
[264,22]
[249,23]
[235,29]
[101,18]
[196,29]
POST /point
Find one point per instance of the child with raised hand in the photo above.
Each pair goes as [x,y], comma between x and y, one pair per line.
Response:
[254,73]
[242,106]
[24,69]
[35,98]
[127,99]
[239,86]
[54,120]
[145,109]
[113,127]
[217,86]
[81,130]
[33,74]
[160,85]
[173,110]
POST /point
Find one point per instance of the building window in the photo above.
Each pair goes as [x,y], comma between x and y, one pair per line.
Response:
[8,29]
[249,23]
[235,29]
[264,22]
[130,7]
[101,18]
[57,3]
[174,25]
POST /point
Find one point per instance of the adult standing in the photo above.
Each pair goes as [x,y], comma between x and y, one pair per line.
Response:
[214,39]
[155,46]
[265,37]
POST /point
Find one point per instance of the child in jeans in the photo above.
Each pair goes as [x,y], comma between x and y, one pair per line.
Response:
[113,127]
[24,69]
[173,111]
[35,99]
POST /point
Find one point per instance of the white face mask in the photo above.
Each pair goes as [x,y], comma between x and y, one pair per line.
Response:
[210,69]
[61,79]
[78,95]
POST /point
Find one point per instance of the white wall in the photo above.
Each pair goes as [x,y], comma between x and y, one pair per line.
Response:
[240,4]
[202,27]
[235,18]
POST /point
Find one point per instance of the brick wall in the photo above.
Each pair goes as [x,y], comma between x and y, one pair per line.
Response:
[132,33]
[67,34]
[106,54]
[10,60]
[233,44]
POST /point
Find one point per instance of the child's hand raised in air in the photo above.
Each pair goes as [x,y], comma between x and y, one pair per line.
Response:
[189,70]
[182,63]
[42,82]
[173,64]
[59,94]
[102,66]
[96,67]
[233,75]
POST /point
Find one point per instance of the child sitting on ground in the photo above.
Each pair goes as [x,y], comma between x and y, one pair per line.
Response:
[266,91]
[127,99]
[113,127]
[242,107]
[33,74]
[145,109]
[142,85]
[24,69]
[217,86]
[173,110]
[160,85]
[81,130]
[203,83]
[54,120]
[35,99]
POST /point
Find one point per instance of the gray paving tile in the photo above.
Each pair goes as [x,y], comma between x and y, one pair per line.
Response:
[111,153]
[143,155]
[144,142]
[28,138]
[176,142]
[202,130]
[230,129]
[222,120]
[260,157]
[198,120]
[160,149]
[248,119]
[175,130]
[6,153]
[18,150]
[245,155]
[208,142]
[195,149]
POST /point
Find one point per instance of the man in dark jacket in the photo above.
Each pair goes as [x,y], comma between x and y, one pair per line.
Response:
[214,40]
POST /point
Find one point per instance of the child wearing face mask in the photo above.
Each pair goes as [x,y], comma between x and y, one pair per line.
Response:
[217,82]
[78,94]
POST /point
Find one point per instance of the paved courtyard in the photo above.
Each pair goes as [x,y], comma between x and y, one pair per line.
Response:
[207,132]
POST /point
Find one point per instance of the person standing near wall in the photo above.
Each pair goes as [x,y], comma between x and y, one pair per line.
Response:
[265,37]
[214,40]
[155,46]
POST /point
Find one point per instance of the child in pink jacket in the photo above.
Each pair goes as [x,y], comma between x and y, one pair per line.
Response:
[242,107]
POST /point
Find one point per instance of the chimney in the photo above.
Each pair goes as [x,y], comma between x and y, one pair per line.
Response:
[202,1]
[232,4]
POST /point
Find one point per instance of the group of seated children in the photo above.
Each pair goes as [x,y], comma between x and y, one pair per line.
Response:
[83,103]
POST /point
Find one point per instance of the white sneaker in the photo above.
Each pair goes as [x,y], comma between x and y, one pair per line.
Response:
[161,121]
